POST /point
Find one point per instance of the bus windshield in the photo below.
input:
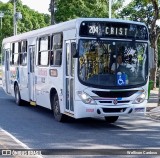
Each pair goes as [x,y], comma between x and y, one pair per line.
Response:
[107,63]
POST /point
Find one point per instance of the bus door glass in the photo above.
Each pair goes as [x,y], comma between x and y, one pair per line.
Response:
[69,77]
[31,72]
[7,70]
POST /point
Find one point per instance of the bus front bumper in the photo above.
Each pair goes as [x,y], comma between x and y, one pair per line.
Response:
[83,110]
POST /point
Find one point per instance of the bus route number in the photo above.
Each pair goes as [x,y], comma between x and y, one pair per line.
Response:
[93,29]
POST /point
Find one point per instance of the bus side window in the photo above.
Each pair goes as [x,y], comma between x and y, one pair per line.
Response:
[6,47]
[12,54]
[43,52]
[23,53]
[51,58]
[58,57]
[16,54]
[56,50]
[19,52]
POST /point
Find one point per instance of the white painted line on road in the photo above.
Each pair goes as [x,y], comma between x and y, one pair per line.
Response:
[20,143]
[15,139]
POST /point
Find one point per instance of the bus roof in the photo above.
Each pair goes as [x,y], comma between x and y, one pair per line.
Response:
[68,25]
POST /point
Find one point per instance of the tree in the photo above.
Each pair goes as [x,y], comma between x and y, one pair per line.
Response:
[155,33]
[71,9]
[146,11]
[52,6]
[31,19]
[159,52]
[159,71]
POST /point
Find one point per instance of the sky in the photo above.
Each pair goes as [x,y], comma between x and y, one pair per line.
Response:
[40,6]
[43,5]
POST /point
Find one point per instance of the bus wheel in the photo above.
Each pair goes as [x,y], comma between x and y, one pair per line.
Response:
[56,110]
[17,95]
[111,119]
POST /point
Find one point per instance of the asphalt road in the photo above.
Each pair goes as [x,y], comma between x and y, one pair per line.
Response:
[37,129]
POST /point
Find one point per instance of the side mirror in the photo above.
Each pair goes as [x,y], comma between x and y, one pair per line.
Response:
[151,58]
[74,50]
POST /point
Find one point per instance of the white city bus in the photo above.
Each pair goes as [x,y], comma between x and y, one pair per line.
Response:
[68,68]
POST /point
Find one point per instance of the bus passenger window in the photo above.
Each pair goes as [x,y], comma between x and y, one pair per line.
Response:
[6,47]
[58,57]
[12,54]
[43,52]
[43,60]
[16,54]
[51,58]
[23,53]
[56,50]
[24,58]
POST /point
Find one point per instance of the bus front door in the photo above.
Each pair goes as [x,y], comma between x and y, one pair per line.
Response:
[69,78]
[31,74]
[7,71]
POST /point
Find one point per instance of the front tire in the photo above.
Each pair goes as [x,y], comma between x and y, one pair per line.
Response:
[111,119]
[56,110]
[18,99]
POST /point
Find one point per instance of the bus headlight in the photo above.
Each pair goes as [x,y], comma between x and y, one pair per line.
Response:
[85,98]
[140,98]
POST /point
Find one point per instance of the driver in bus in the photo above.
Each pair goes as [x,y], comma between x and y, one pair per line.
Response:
[119,62]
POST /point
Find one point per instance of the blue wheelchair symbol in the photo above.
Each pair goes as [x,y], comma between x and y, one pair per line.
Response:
[121,80]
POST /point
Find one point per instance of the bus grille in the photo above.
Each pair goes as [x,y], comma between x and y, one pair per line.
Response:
[121,101]
[112,110]
[105,101]
[115,94]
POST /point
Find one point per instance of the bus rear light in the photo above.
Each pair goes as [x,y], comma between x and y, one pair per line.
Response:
[85,98]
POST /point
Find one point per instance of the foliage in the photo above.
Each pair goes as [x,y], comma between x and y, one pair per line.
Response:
[147,11]
[31,19]
[159,52]
[70,9]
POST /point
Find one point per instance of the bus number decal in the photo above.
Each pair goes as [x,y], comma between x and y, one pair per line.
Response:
[93,29]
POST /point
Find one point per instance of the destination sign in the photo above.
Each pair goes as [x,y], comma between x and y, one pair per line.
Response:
[113,30]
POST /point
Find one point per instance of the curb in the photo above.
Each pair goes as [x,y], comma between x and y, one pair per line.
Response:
[154,113]
[155,117]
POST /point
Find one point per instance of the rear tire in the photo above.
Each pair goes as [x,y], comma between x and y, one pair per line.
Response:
[56,110]
[111,119]
[17,95]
